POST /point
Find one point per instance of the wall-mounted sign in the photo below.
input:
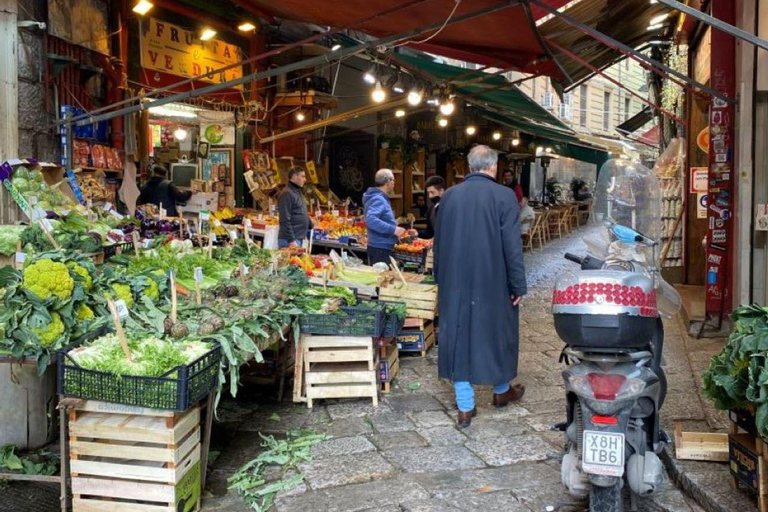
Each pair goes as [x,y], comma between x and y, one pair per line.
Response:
[702,140]
[174,50]
[699,180]
[701,205]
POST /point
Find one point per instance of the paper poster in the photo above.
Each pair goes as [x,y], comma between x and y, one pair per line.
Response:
[217,128]
[699,180]
[761,220]
[701,205]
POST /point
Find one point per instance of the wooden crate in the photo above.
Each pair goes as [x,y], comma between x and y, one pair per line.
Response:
[133,459]
[338,367]
[700,445]
[389,366]
[748,455]
[418,335]
[420,299]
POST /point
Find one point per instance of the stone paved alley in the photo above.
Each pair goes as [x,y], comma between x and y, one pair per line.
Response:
[408,454]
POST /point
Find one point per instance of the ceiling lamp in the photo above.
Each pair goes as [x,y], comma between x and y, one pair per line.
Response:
[142,7]
[336,48]
[447,108]
[515,142]
[658,19]
[658,26]
[300,117]
[246,27]
[370,76]
[539,150]
[415,97]
[471,130]
[548,150]
[398,88]
[399,113]
[497,135]
[378,95]
[180,134]
[208,34]
[443,122]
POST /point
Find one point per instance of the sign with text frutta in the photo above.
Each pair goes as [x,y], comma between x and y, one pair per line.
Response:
[174,50]
[720,236]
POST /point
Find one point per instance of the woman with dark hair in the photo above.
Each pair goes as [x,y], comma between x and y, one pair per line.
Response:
[160,192]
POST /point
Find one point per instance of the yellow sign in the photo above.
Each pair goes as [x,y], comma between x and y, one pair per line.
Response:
[174,50]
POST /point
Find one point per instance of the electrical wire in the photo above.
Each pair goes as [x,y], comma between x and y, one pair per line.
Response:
[447,20]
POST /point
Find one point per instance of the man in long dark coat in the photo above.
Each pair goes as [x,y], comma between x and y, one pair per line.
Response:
[481,278]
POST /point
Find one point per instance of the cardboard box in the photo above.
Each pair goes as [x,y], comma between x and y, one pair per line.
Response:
[202,201]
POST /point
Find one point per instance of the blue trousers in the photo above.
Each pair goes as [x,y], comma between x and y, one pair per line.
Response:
[283,243]
[465,394]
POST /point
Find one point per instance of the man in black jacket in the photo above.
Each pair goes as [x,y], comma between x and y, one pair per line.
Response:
[160,192]
[294,219]
[435,187]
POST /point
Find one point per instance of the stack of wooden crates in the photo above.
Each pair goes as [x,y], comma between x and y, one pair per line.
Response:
[133,459]
[418,334]
[748,454]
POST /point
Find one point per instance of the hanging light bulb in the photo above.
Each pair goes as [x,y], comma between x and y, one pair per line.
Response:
[399,113]
[415,97]
[180,134]
[539,149]
[443,122]
[370,75]
[515,142]
[549,150]
[471,130]
[447,108]
[142,7]
[497,135]
[378,95]
[300,116]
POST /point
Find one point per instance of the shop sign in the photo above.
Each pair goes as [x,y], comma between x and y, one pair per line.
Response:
[699,180]
[171,49]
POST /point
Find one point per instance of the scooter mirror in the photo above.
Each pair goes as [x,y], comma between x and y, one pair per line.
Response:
[626,234]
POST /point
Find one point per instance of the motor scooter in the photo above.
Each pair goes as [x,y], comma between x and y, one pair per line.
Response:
[608,315]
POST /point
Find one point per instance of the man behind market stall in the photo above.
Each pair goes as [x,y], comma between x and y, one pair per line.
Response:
[383,231]
[160,191]
[294,218]
[435,188]
[481,281]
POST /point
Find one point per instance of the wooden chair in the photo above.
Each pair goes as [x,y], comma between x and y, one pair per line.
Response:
[573,217]
[529,235]
[585,211]
[555,226]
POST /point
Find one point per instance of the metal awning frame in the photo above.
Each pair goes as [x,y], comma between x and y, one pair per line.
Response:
[655,65]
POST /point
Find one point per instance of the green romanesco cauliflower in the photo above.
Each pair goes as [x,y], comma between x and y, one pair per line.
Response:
[45,278]
[123,292]
[77,269]
[84,313]
[51,332]
[152,290]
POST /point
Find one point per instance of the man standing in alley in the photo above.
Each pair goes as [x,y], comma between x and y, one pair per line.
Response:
[294,219]
[481,278]
[383,231]
[435,188]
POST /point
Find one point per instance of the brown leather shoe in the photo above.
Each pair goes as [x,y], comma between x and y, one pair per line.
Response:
[514,394]
[465,418]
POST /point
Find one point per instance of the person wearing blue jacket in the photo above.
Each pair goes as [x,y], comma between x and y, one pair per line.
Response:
[383,231]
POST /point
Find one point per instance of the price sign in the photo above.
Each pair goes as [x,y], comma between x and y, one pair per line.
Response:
[116,214]
[107,206]
[21,257]
[205,215]
[335,257]
[213,237]
[232,235]
[32,200]
[335,213]
[122,309]
[244,269]
[171,274]
[199,274]
[147,243]
[217,223]
[47,225]
[37,214]
[247,223]
[90,203]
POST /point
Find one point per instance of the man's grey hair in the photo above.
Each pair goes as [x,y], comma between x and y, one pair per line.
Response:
[383,176]
[482,158]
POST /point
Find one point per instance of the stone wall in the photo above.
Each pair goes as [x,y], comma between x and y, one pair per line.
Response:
[36,138]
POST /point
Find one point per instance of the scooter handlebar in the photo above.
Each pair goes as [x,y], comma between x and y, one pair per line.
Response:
[573,258]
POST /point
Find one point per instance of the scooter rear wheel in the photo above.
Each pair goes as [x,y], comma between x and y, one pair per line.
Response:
[605,499]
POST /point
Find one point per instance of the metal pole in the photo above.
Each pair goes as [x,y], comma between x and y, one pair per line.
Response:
[618,45]
[716,23]
[70,141]
[529,15]
[250,60]
[307,63]
[615,82]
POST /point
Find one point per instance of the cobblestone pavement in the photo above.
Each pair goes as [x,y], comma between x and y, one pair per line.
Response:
[408,455]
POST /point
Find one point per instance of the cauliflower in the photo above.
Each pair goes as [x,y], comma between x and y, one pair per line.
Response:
[152,290]
[123,292]
[77,269]
[45,278]
[52,332]
[84,313]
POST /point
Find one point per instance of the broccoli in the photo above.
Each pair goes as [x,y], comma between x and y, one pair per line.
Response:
[84,313]
[51,332]
[45,278]
[77,269]
[123,292]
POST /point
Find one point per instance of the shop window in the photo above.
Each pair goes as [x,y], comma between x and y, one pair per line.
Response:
[583,99]
[627,105]
[606,111]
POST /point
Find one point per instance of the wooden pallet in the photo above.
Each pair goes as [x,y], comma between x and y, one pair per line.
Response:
[132,459]
[389,366]
[338,367]
[420,299]
[418,335]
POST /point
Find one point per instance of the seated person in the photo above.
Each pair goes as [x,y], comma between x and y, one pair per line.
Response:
[527,216]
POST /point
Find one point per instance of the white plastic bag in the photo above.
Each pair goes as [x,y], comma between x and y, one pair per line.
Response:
[270,237]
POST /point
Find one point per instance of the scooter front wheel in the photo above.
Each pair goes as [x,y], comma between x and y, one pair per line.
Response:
[605,499]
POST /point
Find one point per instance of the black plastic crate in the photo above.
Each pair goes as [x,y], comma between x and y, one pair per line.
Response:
[177,390]
[351,321]
[111,250]
[392,324]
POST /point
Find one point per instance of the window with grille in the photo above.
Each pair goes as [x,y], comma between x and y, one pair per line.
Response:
[583,106]
[566,107]
[627,105]
[606,111]
[548,100]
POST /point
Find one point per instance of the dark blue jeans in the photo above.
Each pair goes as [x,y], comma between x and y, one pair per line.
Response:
[376,255]
[283,243]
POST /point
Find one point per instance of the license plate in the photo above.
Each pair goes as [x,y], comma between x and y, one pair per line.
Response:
[603,453]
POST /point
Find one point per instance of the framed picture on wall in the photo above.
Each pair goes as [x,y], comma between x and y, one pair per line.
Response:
[202,149]
[218,165]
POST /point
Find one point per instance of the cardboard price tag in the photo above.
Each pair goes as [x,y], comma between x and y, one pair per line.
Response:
[247,223]
[117,215]
[205,215]
[107,206]
[21,257]
[147,243]
[244,269]
[199,274]
[122,309]
[232,235]
[32,200]
[213,237]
